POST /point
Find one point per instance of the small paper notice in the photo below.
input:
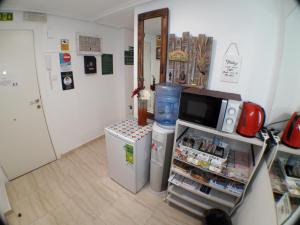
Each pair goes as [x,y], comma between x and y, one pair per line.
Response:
[231,68]
[64,45]
[65,61]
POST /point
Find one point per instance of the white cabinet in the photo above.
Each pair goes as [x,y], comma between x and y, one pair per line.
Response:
[119,169]
[128,153]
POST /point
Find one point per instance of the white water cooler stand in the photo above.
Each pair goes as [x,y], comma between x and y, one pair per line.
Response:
[161,154]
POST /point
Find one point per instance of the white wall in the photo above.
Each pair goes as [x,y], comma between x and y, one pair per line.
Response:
[127,70]
[77,116]
[4,203]
[253,25]
[287,98]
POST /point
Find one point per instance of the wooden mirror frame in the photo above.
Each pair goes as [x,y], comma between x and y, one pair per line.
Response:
[164,14]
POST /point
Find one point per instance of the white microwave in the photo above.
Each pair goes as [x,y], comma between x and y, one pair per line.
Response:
[214,109]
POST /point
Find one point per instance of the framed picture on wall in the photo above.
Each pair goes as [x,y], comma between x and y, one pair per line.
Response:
[158,53]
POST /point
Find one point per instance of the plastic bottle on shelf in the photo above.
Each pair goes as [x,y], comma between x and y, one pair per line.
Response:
[167,104]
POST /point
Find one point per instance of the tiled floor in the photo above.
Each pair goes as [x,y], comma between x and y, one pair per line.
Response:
[76,190]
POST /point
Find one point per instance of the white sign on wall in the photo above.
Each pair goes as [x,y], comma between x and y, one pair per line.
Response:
[231,65]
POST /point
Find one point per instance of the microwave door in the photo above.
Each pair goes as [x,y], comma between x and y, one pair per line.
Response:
[222,114]
[204,110]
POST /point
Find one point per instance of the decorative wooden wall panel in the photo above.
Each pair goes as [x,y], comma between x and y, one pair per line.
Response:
[189,59]
[171,64]
[185,48]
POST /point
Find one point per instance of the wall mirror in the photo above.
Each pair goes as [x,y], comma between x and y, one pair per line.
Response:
[152,51]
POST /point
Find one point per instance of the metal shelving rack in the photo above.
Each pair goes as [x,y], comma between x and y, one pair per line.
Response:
[195,201]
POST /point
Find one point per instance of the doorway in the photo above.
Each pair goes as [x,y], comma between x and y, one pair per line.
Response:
[24,138]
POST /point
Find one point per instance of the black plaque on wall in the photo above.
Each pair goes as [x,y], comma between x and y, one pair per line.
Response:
[107,64]
[128,56]
[90,64]
[67,80]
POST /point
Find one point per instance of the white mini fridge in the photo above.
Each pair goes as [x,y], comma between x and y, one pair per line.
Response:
[128,151]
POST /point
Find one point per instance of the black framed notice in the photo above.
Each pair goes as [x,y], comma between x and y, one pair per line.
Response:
[107,64]
[90,65]
[128,56]
[67,80]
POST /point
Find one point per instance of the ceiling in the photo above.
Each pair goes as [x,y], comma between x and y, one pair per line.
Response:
[120,19]
[118,13]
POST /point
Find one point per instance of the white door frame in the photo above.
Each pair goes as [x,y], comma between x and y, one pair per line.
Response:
[38,84]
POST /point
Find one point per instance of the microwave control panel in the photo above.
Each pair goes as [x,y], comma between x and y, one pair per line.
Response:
[231,116]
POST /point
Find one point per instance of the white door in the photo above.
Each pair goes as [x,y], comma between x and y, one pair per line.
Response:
[24,139]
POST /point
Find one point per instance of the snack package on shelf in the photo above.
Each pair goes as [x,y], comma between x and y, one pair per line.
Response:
[202,158]
[182,154]
[292,183]
[292,167]
[219,182]
[293,187]
[295,202]
[216,168]
[176,179]
[211,149]
[238,165]
[277,178]
[235,187]
[182,166]
[188,183]
[188,141]
[192,157]
[179,180]
[200,175]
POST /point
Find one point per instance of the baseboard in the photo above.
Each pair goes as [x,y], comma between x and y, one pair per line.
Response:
[80,146]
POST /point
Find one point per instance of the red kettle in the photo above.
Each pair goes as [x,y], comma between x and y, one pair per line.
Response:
[251,120]
[291,134]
